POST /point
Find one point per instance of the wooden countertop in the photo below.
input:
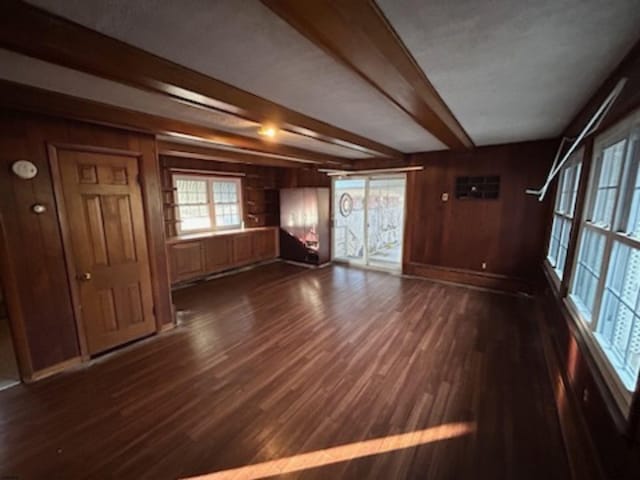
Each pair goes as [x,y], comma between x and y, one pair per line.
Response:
[200,235]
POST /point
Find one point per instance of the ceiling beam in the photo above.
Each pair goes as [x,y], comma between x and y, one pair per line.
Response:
[23,97]
[185,150]
[358,34]
[34,32]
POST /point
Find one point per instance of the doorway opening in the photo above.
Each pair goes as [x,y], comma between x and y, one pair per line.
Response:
[9,373]
[368,226]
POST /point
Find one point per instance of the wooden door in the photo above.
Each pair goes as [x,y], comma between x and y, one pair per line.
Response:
[103,212]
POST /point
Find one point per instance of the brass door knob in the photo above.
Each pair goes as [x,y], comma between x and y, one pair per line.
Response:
[84,277]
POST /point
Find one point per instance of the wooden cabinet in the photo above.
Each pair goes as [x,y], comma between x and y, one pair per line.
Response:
[264,245]
[197,256]
[218,252]
[186,260]
[243,248]
[305,228]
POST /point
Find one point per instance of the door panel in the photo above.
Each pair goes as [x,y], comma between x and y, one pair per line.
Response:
[264,245]
[242,249]
[385,220]
[349,219]
[292,215]
[369,220]
[103,207]
[218,253]
[186,260]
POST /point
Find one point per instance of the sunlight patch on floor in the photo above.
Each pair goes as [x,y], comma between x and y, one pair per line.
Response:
[342,453]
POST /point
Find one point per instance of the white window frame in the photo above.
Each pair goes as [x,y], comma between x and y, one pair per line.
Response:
[589,326]
[211,205]
[576,159]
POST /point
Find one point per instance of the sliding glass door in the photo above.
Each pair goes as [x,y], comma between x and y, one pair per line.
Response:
[349,219]
[368,223]
[385,220]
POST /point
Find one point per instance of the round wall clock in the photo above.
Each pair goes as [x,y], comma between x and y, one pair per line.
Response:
[24,169]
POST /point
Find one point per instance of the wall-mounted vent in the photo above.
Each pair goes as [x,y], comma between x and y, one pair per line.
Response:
[478,188]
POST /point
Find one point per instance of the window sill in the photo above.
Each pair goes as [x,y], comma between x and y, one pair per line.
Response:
[217,233]
[615,396]
[595,361]
[552,276]
[626,379]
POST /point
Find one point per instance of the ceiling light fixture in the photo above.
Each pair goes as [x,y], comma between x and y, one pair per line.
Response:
[267,131]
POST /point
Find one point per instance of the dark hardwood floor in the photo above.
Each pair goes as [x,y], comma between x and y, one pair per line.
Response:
[295,373]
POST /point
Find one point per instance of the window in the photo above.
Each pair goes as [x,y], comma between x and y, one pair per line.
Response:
[565,204]
[606,282]
[206,203]
[226,201]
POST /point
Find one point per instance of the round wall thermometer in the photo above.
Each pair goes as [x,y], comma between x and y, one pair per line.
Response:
[24,169]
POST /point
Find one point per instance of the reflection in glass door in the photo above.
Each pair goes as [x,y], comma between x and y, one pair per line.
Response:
[385,221]
[349,219]
[369,220]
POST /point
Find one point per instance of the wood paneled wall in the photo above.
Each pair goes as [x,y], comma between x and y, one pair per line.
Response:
[33,265]
[34,259]
[603,437]
[614,441]
[302,177]
[259,189]
[450,240]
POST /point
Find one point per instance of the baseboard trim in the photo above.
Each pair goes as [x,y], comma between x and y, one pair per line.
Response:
[53,369]
[167,327]
[310,266]
[468,277]
[225,273]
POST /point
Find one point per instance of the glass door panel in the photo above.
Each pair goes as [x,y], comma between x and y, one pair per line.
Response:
[385,221]
[368,225]
[349,219]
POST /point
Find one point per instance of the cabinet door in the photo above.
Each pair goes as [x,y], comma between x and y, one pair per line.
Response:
[323,228]
[310,209]
[292,217]
[242,249]
[264,245]
[186,260]
[218,253]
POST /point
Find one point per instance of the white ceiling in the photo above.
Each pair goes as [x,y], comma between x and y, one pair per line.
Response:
[243,43]
[36,73]
[510,70]
[514,70]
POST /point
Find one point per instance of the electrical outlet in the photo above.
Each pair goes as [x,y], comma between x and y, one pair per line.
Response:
[445,197]
[484,265]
